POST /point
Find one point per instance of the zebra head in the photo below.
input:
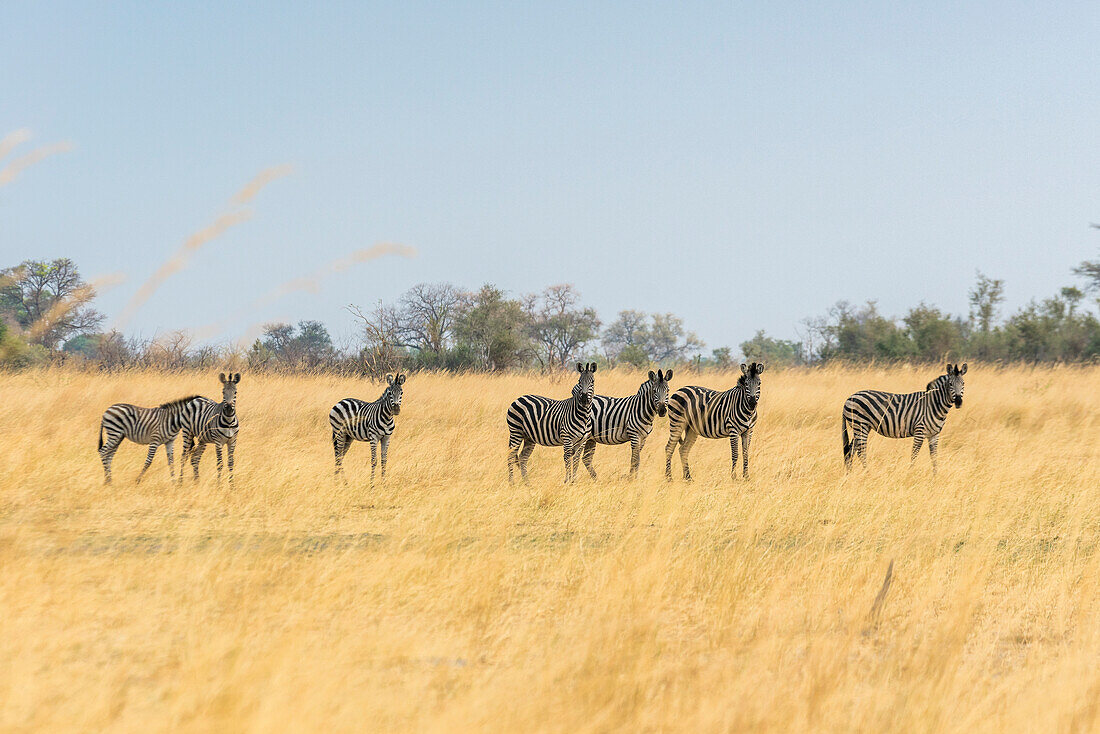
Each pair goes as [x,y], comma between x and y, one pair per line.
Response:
[658,390]
[955,383]
[586,384]
[229,391]
[392,396]
[750,383]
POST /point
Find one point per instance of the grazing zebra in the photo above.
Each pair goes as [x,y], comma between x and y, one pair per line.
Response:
[358,420]
[151,426]
[533,419]
[919,415]
[205,421]
[699,411]
[618,420]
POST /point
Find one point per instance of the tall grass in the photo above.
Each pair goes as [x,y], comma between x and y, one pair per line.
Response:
[446,600]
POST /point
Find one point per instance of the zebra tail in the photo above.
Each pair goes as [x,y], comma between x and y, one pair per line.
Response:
[847,441]
[101,435]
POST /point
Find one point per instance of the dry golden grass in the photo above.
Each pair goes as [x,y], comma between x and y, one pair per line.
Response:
[446,600]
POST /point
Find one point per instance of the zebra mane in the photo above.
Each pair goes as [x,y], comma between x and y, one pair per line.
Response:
[178,401]
[934,384]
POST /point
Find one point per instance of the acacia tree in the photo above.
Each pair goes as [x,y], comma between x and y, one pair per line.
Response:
[985,299]
[559,326]
[49,300]
[426,317]
[309,346]
[491,330]
[640,339]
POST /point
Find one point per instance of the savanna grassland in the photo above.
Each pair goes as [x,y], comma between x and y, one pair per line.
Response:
[446,600]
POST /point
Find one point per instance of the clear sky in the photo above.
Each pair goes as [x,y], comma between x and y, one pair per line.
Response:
[741,165]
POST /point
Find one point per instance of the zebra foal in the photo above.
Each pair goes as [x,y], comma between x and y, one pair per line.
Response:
[358,420]
[916,415]
[619,420]
[700,411]
[533,419]
[149,426]
[205,422]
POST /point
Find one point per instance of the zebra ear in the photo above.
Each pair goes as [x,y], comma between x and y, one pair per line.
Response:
[593,367]
[236,378]
[401,379]
[579,368]
[668,376]
[221,376]
[950,368]
[389,379]
[760,368]
[744,369]
[963,370]
[654,377]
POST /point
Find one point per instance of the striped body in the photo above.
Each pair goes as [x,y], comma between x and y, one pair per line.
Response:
[207,422]
[699,411]
[917,415]
[148,426]
[616,421]
[534,419]
[357,420]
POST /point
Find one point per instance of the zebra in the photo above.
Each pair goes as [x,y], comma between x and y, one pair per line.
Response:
[619,420]
[358,420]
[919,415]
[205,421]
[152,426]
[533,419]
[699,411]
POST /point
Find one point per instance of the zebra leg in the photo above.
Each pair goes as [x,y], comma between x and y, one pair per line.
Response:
[860,441]
[341,443]
[567,446]
[685,448]
[674,435]
[746,437]
[733,455]
[918,439]
[107,455]
[185,453]
[218,454]
[528,448]
[171,461]
[373,459]
[148,462]
[196,457]
[514,443]
[933,449]
[230,448]
[589,452]
[636,443]
[385,441]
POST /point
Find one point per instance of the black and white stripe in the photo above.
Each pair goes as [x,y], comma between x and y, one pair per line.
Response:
[620,420]
[916,415]
[533,419]
[699,411]
[205,421]
[358,420]
[147,426]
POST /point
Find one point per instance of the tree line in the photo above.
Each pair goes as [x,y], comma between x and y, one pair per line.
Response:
[47,316]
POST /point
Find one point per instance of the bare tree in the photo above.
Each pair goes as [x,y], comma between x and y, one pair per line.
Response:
[426,316]
[559,327]
[382,344]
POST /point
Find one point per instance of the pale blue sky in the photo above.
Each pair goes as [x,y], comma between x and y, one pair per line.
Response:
[740,165]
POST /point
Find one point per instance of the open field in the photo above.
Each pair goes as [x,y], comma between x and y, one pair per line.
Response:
[447,600]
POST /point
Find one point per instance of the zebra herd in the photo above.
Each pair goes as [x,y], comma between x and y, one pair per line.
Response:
[577,424]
